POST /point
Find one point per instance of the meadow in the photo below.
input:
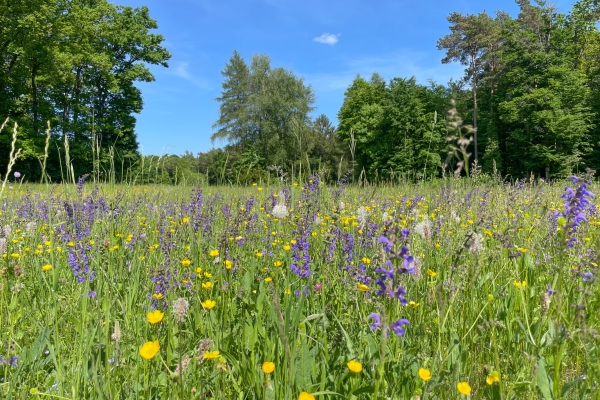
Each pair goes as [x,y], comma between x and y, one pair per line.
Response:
[452,289]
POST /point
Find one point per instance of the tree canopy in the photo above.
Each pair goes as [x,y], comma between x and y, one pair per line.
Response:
[74,64]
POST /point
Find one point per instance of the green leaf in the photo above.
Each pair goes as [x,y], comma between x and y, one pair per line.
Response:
[544,381]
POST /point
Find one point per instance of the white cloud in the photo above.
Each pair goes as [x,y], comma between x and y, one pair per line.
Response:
[327,38]
[181,70]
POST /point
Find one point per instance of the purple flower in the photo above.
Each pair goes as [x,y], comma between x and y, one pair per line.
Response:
[387,244]
[17,174]
[588,276]
[549,291]
[398,326]
[377,322]
[13,361]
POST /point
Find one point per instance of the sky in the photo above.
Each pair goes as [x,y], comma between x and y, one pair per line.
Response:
[325,42]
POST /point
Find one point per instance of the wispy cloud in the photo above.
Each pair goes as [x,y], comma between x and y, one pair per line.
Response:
[182,70]
[327,38]
[401,64]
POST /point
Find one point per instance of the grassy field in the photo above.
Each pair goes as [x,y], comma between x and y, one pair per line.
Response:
[439,291]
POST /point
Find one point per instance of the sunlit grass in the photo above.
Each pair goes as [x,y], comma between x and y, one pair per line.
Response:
[164,292]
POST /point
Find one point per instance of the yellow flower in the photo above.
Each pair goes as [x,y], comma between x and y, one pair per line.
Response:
[228,264]
[199,270]
[15,255]
[214,253]
[207,285]
[362,288]
[149,349]
[268,367]
[306,396]
[412,304]
[185,262]
[492,378]
[520,285]
[154,317]
[207,275]
[47,267]
[431,273]
[157,296]
[366,260]
[210,355]
[268,279]
[277,263]
[463,388]
[354,366]
[424,374]
[287,248]
[208,304]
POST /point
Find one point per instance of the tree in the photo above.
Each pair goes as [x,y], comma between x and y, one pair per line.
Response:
[471,35]
[398,127]
[542,102]
[264,109]
[75,64]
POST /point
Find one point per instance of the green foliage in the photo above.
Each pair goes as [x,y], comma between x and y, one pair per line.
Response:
[265,110]
[75,64]
[399,128]
[533,86]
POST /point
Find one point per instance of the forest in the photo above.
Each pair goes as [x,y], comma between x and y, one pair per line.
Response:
[528,103]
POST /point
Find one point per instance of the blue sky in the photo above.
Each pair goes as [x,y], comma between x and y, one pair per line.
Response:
[327,42]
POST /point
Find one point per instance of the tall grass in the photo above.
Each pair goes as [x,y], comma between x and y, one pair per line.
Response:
[83,265]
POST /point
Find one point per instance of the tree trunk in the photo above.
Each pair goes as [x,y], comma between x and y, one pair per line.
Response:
[474,107]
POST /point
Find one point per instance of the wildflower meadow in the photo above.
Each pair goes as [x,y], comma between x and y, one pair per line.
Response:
[455,288]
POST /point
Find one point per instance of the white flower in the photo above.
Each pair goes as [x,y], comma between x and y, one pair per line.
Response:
[361,216]
[30,227]
[477,243]
[180,309]
[280,211]
[423,228]
[116,336]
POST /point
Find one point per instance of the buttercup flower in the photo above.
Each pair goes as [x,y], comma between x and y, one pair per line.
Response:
[520,285]
[185,262]
[208,304]
[492,378]
[268,367]
[47,267]
[354,366]
[463,388]
[363,288]
[214,253]
[210,355]
[154,317]
[306,396]
[424,374]
[149,349]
